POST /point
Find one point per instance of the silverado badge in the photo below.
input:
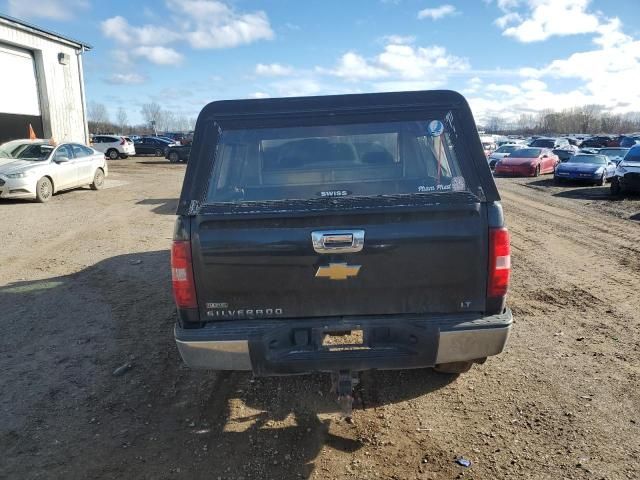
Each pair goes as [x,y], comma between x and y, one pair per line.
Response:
[338,271]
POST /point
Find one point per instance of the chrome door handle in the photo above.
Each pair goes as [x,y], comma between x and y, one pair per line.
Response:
[338,241]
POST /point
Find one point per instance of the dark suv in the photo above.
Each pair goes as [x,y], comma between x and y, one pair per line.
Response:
[340,234]
[551,143]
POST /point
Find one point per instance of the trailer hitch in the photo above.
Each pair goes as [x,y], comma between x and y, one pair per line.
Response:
[342,383]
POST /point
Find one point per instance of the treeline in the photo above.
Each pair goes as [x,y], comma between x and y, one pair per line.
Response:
[589,119]
[156,120]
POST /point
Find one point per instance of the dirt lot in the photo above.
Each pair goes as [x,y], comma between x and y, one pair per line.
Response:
[84,289]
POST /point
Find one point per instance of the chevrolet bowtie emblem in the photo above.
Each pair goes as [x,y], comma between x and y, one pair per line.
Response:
[338,271]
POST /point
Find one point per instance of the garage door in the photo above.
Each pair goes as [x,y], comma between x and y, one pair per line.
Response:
[19,100]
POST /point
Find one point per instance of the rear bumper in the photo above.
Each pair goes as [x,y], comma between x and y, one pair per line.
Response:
[289,347]
[629,182]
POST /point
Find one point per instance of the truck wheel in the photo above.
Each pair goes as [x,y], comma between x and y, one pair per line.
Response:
[113,154]
[98,180]
[174,157]
[453,367]
[615,187]
[44,190]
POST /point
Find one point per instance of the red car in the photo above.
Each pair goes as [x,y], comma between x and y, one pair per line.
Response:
[528,162]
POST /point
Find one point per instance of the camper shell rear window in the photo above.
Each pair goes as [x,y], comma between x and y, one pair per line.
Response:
[341,160]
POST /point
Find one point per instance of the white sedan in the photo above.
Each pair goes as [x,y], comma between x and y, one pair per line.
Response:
[35,169]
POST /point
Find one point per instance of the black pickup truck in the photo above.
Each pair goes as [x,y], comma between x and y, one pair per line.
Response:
[340,234]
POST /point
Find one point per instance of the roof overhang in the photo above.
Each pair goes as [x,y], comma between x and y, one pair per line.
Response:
[48,34]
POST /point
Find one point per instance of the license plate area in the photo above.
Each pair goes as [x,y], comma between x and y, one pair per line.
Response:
[347,340]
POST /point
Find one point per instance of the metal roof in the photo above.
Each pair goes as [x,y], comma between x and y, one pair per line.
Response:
[29,27]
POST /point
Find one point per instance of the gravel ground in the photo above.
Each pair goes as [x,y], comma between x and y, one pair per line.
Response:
[84,290]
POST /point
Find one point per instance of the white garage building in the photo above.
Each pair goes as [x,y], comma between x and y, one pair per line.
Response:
[42,83]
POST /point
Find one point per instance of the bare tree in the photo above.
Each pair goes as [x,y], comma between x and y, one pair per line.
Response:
[152,113]
[98,117]
[122,119]
[495,124]
[182,124]
[166,121]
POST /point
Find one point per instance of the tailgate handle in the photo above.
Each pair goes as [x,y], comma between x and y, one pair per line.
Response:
[338,241]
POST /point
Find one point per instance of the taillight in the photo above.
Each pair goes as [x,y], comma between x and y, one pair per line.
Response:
[184,289]
[499,262]
[121,140]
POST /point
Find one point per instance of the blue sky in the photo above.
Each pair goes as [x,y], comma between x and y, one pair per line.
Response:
[508,57]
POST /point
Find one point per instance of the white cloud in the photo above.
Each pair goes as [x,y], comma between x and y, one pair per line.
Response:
[397,62]
[603,75]
[507,89]
[473,85]
[508,18]
[213,24]
[118,29]
[273,69]
[53,9]
[159,55]
[260,95]
[352,67]
[126,79]
[200,23]
[533,84]
[298,87]
[417,62]
[399,39]
[438,12]
[610,34]
[543,19]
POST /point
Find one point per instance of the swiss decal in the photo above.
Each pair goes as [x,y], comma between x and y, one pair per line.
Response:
[334,193]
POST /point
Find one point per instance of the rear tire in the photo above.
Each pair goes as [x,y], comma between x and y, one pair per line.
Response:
[158,152]
[616,189]
[113,154]
[98,180]
[174,157]
[44,190]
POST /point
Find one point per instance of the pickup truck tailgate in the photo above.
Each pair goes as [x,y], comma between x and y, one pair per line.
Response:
[432,259]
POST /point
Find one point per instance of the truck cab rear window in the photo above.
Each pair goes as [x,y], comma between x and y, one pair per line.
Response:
[334,161]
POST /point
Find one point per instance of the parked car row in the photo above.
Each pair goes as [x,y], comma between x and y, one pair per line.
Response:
[618,165]
[116,146]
